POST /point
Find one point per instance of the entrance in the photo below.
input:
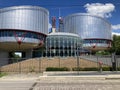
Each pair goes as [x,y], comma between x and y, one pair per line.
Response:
[16,56]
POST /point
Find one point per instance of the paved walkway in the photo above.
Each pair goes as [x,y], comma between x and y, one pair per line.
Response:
[62,75]
[38,82]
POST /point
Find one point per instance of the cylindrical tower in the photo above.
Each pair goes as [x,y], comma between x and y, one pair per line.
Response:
[22,24]
[62,44]
[94,30]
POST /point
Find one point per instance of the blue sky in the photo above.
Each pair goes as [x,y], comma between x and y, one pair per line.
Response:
[112,14]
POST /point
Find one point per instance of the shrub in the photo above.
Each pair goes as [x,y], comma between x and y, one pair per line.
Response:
[118,68]
[32,69]
[91,69]
[57,69]
[106,68]
[102,53]
[76,69]
[85,69]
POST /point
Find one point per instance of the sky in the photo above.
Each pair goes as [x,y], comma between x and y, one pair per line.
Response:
[108,9]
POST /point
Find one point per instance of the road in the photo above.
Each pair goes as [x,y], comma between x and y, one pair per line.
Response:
[60,85]
[16,85]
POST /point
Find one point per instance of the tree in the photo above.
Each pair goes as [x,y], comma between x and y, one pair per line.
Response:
[13,57]
[115,45]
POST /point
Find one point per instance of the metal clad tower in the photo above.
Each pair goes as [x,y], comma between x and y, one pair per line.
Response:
[94,30]
[23,25]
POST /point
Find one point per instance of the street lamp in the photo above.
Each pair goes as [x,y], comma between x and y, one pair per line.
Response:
[78,45]
[78,60]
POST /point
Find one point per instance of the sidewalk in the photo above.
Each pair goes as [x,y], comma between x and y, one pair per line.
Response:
[92,75]
[64,75]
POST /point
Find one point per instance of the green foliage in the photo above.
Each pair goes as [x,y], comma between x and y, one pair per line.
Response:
[2,74]
[115,45]
[80,69]
[76,69]
[85,69]
[14,58]
[102,53]
[92,69]
[106,68]
[118,68]
[57,69]
[32,69]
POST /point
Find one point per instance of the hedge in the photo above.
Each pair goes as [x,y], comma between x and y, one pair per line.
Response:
[57,69]
[80,69]
[85,69]
[92,69]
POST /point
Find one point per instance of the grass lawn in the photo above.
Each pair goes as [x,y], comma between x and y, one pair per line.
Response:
[2,74]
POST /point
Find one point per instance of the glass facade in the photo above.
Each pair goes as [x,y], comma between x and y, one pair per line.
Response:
[62,44]
[6,33]
[92,29]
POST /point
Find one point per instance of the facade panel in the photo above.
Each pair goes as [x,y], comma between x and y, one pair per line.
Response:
[31,18]
[89,27]
[23,24]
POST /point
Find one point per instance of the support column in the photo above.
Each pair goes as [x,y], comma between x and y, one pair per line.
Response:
[63,46]
[71,47]
[4,58]
[46,47]
[50,47]
[28,53]
[67,46]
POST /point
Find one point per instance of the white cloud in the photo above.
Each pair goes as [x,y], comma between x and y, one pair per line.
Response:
[99,9]
[113,33]
[116,27]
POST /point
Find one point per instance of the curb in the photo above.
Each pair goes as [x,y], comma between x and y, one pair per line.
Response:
[82,77]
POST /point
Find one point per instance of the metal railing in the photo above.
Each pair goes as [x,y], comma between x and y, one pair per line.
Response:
[25,65]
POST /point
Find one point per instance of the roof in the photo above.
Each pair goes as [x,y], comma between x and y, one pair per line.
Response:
[63,34]
[24,7]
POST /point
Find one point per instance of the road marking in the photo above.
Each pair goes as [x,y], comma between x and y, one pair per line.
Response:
[33,86]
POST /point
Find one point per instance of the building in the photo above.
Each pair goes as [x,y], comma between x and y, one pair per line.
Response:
[25,29]
[22,28]
[62,44]
[95,31]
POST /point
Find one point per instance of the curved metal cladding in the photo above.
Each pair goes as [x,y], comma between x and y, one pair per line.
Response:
[30,22]
[62,44]
[93,29]
[32,18]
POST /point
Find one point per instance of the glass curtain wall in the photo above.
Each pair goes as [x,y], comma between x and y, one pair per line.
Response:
[62,45]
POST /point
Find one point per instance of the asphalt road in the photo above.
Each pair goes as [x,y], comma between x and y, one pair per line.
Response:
[16,85]
[60,85]
[79,85]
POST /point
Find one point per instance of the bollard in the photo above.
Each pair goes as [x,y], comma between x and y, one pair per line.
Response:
[100,66]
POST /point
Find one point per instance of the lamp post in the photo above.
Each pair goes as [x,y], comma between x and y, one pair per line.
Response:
[78,63]
[114,62]
[78,60]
